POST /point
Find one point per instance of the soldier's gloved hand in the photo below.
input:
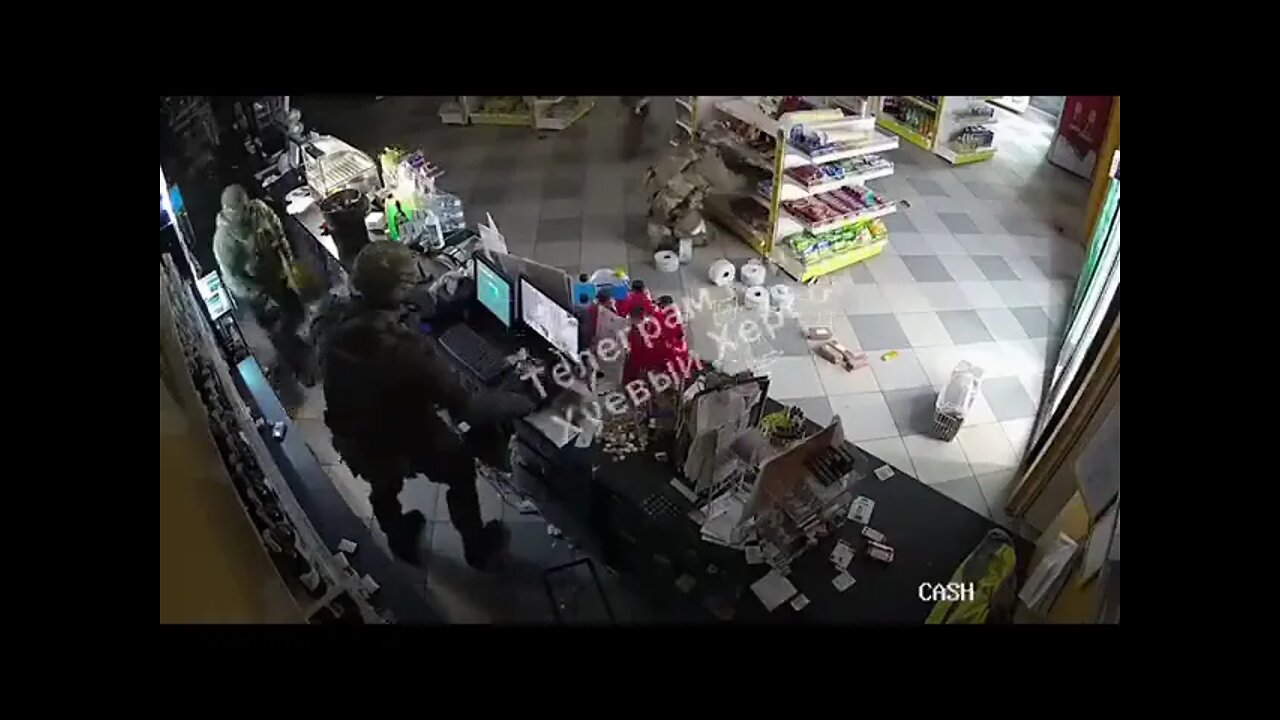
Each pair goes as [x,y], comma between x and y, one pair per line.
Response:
[499,406]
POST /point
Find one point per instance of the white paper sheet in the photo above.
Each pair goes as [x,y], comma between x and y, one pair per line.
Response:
[773,590]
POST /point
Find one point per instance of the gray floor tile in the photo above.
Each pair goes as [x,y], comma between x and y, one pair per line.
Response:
[562,208]
[898,222]
[1007,398]
[927,268]
[964,326]
[959,223]
[994,267]
[860,275]
[1025,225]
[558,252]
[560,230]
[1057,267]
[965,491]
[928,188]
[878,332]
[788,339]
[817,409]
[988,191]
[912,409]
[1033,320]
[488,194]
[563,186]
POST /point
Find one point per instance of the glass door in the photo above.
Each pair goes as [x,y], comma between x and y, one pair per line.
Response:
[1097,300]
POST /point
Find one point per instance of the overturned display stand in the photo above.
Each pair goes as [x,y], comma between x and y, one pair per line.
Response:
[541,112]
[774,238]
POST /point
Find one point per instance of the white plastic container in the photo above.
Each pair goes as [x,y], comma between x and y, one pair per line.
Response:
[955,400]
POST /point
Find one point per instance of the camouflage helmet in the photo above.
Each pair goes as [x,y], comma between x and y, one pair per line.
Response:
[382,271]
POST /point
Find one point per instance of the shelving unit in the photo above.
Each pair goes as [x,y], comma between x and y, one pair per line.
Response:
[264,495]
[942,123]
[780,184]
[686,120]
[542,112]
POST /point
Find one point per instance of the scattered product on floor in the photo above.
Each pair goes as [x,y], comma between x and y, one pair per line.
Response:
[721,273]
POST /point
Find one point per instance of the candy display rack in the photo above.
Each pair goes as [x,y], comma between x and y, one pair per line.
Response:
[820,215]
[957,128]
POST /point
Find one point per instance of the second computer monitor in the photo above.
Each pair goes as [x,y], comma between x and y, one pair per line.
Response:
[493,291]
[549,319]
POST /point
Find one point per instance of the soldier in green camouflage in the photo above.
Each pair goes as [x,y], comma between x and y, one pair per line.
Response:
[250,247]
[383,384]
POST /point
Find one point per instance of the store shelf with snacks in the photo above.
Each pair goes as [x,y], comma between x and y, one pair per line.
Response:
[806,256]
[966,132]
[794,188]
[920,102]
[906,133]
[820,154]
[961,155]
[791,223]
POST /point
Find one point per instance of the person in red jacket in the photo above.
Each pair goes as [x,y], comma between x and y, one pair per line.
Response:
[638,297]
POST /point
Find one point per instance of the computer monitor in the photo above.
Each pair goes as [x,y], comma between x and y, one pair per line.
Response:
[493,291]
[549,319]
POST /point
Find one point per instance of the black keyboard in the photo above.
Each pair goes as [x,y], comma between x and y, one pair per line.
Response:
[474,352]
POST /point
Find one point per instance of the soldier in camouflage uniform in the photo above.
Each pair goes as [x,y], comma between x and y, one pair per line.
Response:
[250,247]
[383,384]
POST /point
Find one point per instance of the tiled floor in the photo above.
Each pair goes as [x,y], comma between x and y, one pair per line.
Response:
[980,267]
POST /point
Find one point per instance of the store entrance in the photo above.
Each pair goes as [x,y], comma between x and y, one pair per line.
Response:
[1049,105]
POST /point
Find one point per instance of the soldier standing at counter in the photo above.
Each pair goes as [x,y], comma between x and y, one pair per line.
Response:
[383,385]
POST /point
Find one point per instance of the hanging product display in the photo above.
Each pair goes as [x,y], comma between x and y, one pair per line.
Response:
[806,171]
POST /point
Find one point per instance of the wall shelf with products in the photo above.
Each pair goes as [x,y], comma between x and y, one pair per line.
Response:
[541,112]
[806,162]
[957,128]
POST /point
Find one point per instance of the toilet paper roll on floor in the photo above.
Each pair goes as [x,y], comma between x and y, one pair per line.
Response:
[721,273]
[753,273]
[756,298]
[666,261]
[782,297]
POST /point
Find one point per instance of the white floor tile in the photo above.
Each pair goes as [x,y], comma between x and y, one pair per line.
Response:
[906,297]
[792,377]
[1024,357]
[936,461]
[902,372]
[1034,385]
[887,269]
[838,381]
[945,245]
[938,362]
[962,268]
[965,491]
[864,416]
[945,296]
[996,487]
[987,448]
[1025,268]
[981,294]
[909,243]
[1041,291]
[977,244]
[892,451]
[1002,324]
[352,489]
[868,300]
[1019,433]
[1015,293]
[923,329]
[989,357]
